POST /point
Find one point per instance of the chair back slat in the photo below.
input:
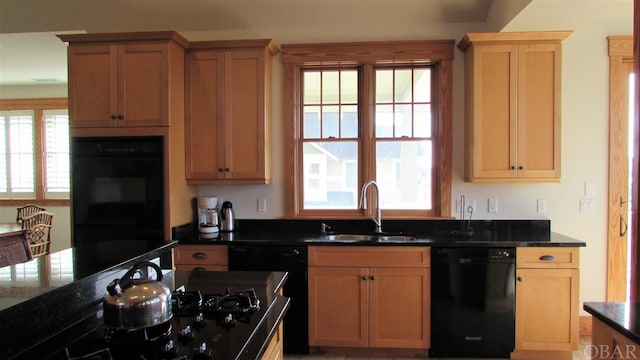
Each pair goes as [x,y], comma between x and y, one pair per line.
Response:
[28,210]
[38,232]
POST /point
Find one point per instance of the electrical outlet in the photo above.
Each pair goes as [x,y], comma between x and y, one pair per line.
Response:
[587,206]
[493,205]
[471,203]
[541,206]
[262,205]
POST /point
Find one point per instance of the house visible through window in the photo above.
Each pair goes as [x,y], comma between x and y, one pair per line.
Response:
[363,115]
[34,150]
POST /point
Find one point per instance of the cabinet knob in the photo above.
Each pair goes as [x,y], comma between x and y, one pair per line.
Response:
[372,277]
[227,169]
[513,167]
[520,279]
[120,117]
[113,117]
[521,167]
[220,169]
[364,278]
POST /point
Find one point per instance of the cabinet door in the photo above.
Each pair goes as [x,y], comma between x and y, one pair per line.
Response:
[399,307]
[492,126]
[539,110]
[338,306]
[547,307]
[143,88]
[204,97]
[92,85]
[244,125]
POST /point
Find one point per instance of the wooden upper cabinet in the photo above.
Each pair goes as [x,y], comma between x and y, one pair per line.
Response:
[512,106]
[125,79]
[227,113]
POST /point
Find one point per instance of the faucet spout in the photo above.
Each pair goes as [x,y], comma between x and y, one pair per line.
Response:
[363,203]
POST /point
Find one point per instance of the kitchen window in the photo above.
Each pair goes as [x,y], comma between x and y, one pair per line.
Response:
[368,112]
[34,151]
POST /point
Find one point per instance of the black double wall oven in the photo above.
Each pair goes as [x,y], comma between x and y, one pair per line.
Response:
[117,194]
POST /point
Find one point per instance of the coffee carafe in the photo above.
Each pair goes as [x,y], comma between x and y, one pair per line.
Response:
[208,215]
[227,217]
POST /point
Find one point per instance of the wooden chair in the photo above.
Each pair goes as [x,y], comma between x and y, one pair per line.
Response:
[28,210]
[38,232]
[14,249]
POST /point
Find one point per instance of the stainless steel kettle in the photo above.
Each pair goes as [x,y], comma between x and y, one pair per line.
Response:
[137,303]
[227,217]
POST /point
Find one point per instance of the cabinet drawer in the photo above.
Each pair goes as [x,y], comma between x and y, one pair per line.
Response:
[369,256]
[547,257]
[201,255]
[191,267]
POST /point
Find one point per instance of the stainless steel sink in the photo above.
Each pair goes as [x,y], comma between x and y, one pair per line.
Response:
[350,237]
[396,238]
[366,237]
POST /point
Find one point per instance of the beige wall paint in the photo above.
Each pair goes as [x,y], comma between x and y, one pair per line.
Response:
[584,112]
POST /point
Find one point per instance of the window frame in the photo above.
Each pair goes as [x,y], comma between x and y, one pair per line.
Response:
[438,53]
[38,106]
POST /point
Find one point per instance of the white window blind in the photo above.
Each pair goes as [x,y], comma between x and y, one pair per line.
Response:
[18,154]
[18,138]
[56,154]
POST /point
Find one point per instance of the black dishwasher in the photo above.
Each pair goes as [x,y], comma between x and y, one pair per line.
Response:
[292,259]
[472,302]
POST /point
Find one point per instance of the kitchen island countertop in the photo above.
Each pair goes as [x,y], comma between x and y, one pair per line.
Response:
[624,317]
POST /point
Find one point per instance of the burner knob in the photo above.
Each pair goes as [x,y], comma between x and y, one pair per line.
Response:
[170,349]
[187,333]
[202,352]
[200,320]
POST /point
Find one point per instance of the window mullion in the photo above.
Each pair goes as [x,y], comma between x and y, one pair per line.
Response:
[38,151]
[367,126]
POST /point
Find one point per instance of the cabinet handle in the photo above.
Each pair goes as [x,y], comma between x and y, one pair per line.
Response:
[520,279]
[623,226]
[548,258]
[199,268]
[199,255]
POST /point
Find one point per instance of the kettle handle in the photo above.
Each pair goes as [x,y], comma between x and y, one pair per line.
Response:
[126,281]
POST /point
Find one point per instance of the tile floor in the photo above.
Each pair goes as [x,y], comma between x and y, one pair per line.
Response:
[580,354]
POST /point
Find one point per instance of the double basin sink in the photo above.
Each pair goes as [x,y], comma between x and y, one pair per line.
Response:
[368,237]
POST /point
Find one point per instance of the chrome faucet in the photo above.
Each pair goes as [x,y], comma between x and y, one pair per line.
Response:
[363,203]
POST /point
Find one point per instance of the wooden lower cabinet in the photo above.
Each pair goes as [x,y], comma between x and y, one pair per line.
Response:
[609,344]
[383,305]
[547,303]
[204,257]
[274,349]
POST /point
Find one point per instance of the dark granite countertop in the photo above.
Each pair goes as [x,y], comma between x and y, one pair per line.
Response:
[41,297]
[246,343]
[624,317]
[435,233]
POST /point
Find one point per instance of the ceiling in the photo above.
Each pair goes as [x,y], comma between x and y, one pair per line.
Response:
[31,54]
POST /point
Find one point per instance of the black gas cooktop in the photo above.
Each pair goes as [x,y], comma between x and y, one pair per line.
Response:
[211,321]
